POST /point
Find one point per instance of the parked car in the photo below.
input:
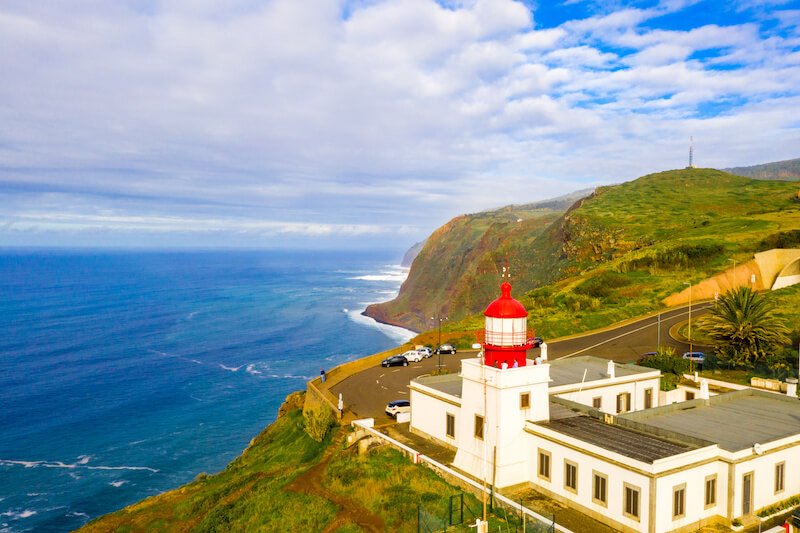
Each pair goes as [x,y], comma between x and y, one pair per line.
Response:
[395,360]
[414,356]
[398,406]
[696,357]
[535,341]
[445,348]
[425,351]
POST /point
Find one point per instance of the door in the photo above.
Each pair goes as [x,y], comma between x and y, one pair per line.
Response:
[747,494]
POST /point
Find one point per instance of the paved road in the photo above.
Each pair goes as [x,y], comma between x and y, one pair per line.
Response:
[367,393]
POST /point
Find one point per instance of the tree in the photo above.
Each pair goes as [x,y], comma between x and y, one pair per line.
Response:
[745,327]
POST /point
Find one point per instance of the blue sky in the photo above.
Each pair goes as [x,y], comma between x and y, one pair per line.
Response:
[362,123]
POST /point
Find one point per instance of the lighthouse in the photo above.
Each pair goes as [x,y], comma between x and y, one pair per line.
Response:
[506,331]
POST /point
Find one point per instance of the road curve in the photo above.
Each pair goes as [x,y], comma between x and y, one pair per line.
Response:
[366,393]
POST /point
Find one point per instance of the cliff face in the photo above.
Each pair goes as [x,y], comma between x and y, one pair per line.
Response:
[457,268]
[653,231]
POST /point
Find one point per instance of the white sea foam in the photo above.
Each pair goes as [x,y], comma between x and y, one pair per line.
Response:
[78,514]
[231,368]
[251,369]
[16,515]
[393,332]
[81,463]
[119,483]
[192,315]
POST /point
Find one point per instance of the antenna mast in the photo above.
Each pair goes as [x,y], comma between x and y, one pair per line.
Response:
[691,152]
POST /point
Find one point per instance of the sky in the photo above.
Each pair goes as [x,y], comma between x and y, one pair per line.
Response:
[364,123]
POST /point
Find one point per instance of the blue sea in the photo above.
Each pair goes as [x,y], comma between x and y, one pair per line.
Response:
[125,374]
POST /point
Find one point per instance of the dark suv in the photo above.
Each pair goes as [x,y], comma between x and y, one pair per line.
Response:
[445,348]
[395,360]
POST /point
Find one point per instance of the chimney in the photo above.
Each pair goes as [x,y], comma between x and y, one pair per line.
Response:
[704,389]
[611,370]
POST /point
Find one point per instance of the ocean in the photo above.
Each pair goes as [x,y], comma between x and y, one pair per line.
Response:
[125,374]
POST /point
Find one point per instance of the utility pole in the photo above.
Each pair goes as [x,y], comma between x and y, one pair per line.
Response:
[691,366]
[439,318]
[659,331]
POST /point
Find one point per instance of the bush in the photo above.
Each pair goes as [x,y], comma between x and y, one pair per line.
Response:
[666,361]
[783,239]
[602,285]
[680,256]
[318,422]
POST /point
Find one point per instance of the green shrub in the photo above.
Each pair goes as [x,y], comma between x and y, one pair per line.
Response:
[680,256]
[602,286]
[318,422]
[783,239]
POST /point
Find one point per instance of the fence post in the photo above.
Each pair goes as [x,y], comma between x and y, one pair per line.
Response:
[419,520]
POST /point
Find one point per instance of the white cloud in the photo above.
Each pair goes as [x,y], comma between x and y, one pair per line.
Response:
[324,114]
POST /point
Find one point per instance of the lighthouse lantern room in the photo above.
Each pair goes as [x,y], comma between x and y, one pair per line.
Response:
[506,331]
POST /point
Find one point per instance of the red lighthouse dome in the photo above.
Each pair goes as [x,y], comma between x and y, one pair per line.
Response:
[506,331]
[506,306]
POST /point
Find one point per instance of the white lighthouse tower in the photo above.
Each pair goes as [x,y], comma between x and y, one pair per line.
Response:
[498,396]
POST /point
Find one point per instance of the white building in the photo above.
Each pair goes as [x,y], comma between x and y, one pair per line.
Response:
[589,433]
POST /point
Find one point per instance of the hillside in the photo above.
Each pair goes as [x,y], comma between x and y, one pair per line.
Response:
[788,170]
[615,254]
[452,272]
[285,481]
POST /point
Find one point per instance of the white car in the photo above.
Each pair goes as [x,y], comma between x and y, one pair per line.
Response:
[413,356]
[398,406]
[425,351]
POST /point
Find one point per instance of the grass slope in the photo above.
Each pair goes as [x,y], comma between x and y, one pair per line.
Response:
[285,481]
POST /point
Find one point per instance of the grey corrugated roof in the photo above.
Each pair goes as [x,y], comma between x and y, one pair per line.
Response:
[447,383]
[627,442]
[735,420]
[570,371]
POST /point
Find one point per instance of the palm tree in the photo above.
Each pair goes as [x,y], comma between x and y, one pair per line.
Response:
[745,327]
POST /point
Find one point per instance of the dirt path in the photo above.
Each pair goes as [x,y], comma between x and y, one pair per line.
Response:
[350,511]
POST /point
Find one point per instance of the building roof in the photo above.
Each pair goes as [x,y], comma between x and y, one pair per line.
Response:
[570,371]
[735,420]
[628,442]
[447,383]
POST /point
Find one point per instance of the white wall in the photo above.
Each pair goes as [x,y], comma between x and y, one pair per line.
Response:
[616,475]
[609,394]
[429,415]
[763,468]
[694,479]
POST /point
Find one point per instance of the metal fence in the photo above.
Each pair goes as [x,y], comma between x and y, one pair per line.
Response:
[461,513]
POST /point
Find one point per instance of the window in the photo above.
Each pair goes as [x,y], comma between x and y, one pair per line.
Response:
[689,395]
[679,502]
[597,402]
[710,499]
[571,476]
[631,509]
[648,398]
[450,430]
[623,402]
[599,483]
[544,465]
[478,427]
[524,400]
[780,468]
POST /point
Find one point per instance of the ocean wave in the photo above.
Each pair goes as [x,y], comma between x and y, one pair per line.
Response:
[251,369]
[231,368]
[119,483]
[382,277]
[17,515]
[81,463]
[394,332]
